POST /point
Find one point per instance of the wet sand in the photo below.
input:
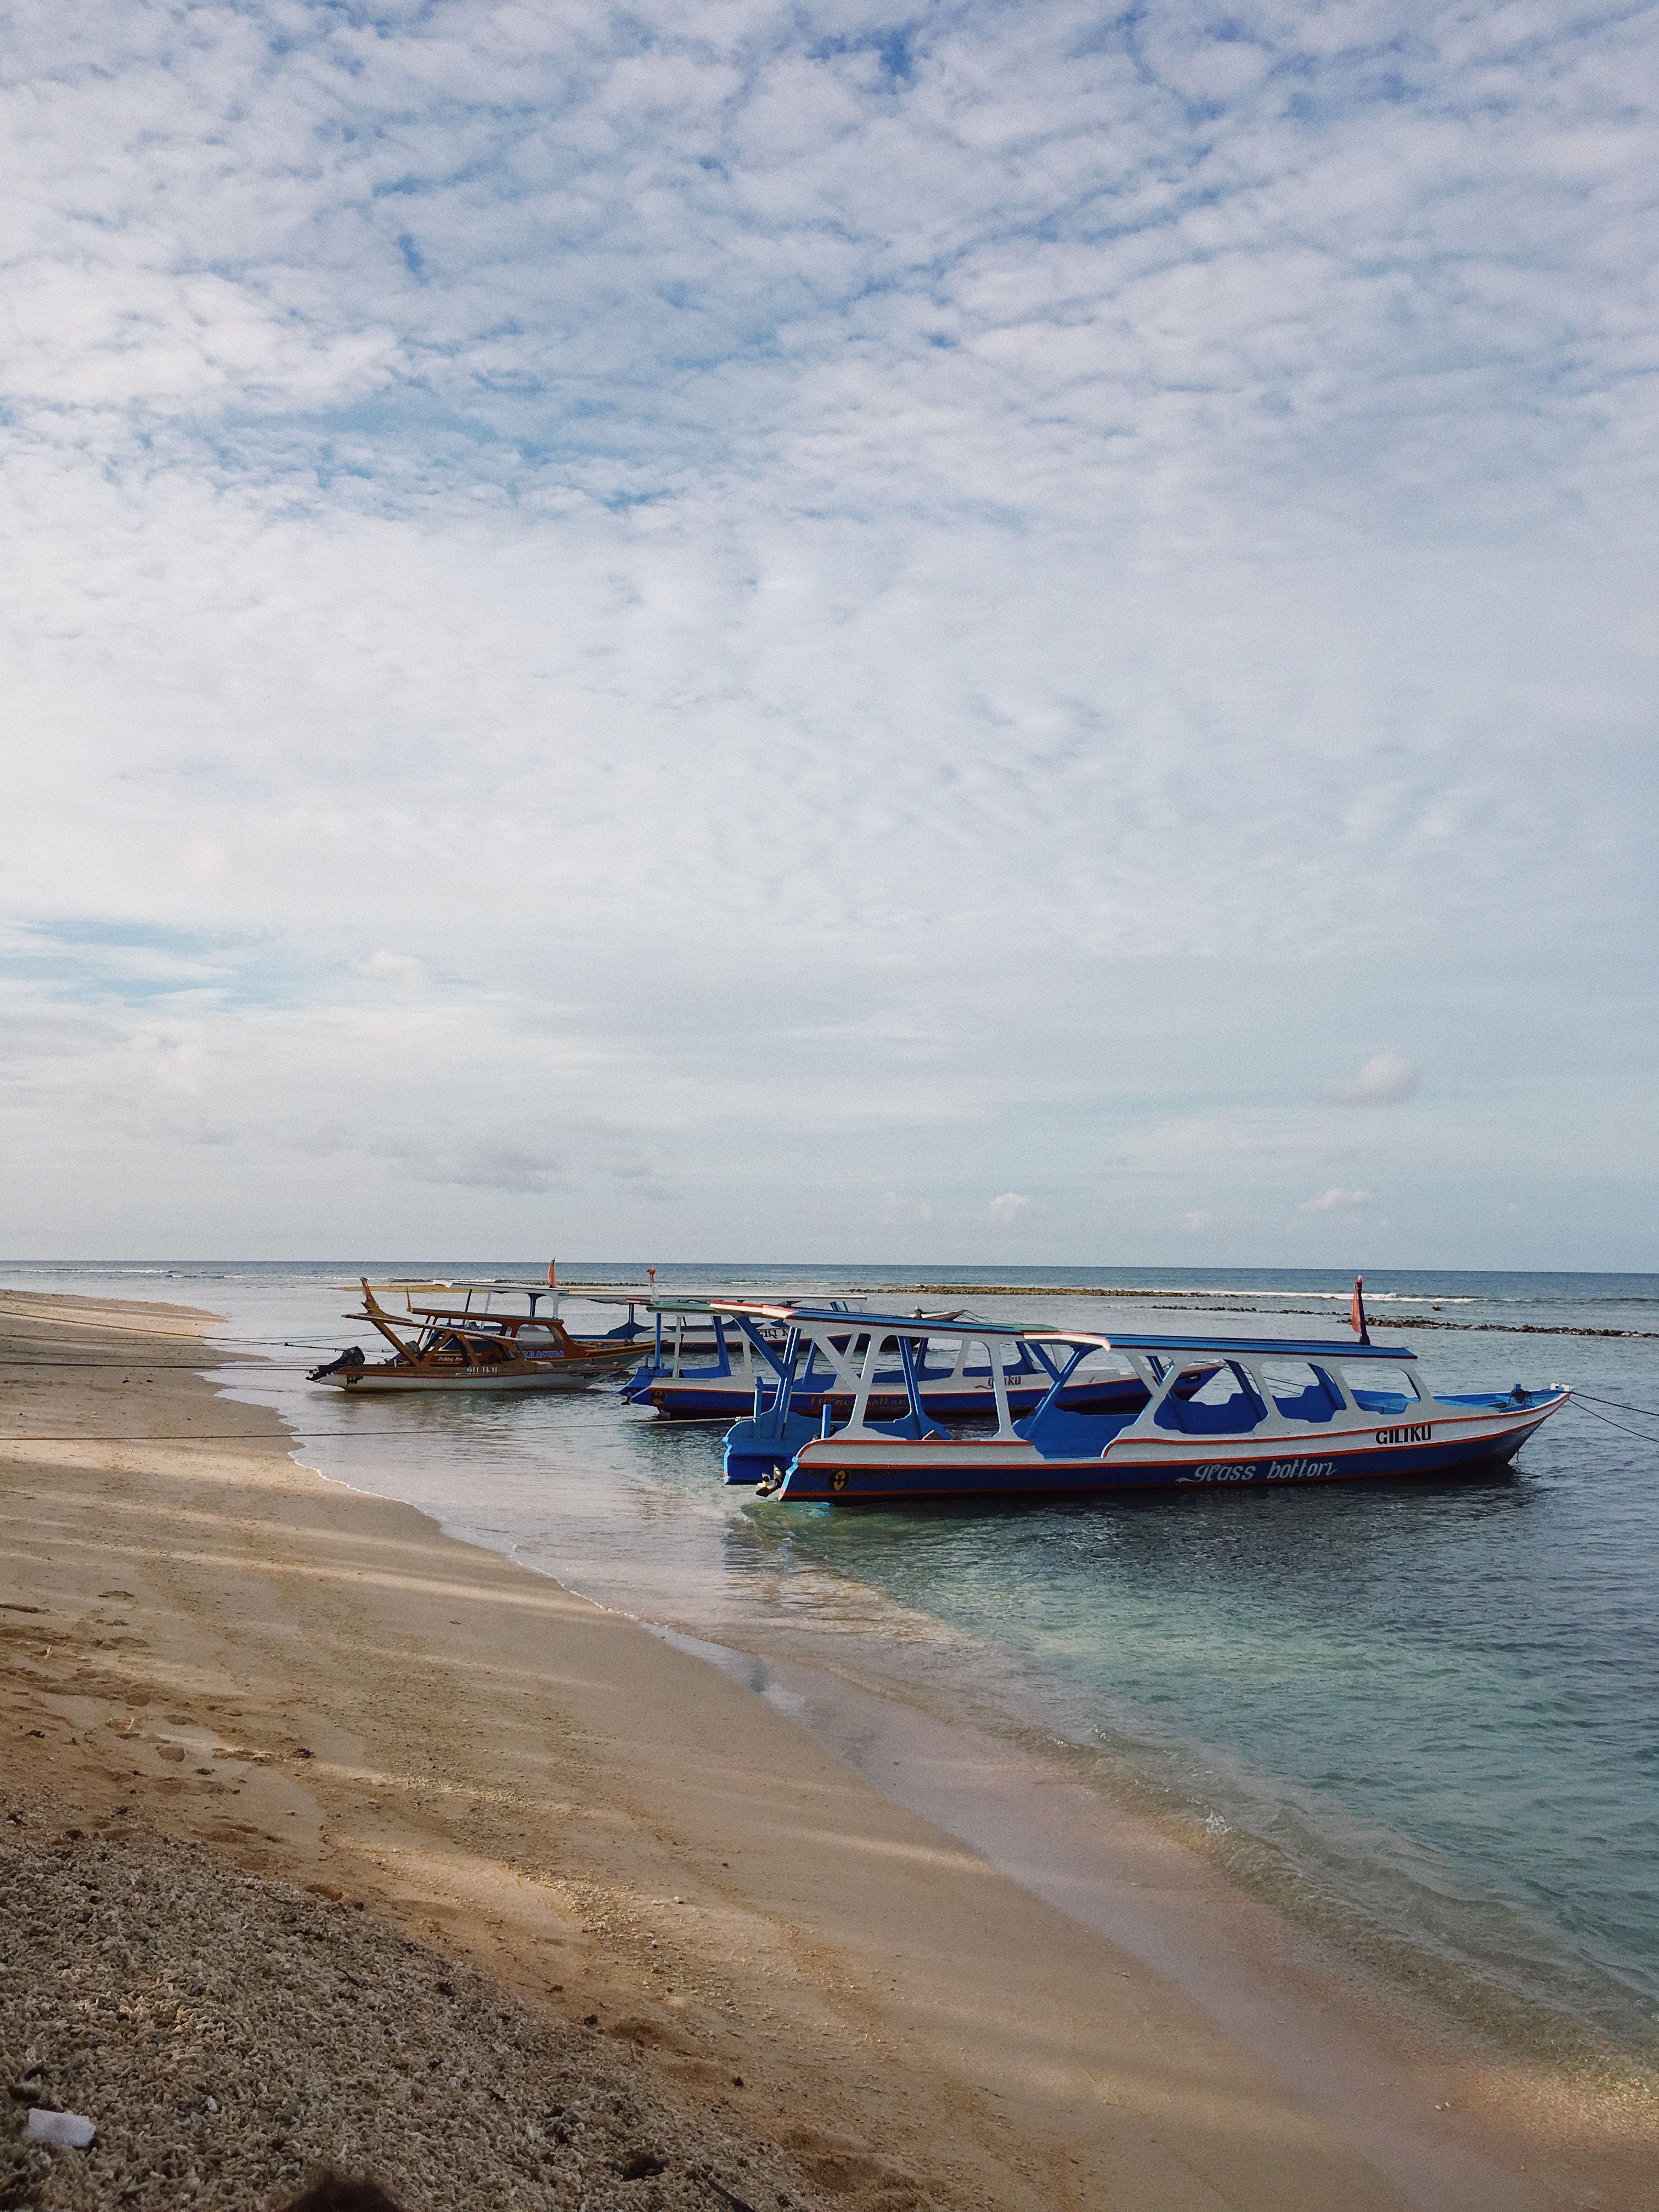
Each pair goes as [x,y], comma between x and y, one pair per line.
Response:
[324,1689]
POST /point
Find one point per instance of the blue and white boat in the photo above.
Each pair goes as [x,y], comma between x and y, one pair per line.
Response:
[802,1381]
[1190,1412]
[703,1366]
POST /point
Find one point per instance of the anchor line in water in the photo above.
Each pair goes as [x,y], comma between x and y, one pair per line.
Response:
[1652,1412]
[1642,1435]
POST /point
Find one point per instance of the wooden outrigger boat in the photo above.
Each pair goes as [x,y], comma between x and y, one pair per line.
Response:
[458,1346]
[1193,1411]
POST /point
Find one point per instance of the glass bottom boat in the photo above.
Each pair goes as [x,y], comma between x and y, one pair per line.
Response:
[1194,1412]
[745,1374]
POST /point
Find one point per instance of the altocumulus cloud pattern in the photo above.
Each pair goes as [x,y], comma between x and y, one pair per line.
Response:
[736,626]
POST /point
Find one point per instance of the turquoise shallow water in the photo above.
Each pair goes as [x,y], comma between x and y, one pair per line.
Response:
[1436,1708]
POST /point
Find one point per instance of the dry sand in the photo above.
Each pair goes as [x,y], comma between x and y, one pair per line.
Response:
[662,1897]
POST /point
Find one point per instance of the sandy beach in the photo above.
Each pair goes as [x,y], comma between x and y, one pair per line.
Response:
[790,1989]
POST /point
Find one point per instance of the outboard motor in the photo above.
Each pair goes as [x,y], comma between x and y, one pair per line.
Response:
[352,1356]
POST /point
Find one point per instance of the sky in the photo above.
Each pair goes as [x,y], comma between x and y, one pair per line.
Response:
[1013,634]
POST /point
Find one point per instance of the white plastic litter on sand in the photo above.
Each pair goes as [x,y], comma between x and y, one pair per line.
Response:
[69,2131]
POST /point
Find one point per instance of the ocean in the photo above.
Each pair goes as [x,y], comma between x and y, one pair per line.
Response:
[1424,1718]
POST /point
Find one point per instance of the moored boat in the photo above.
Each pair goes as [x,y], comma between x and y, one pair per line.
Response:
[1193,1411]
[459,1345]
[742,1364]
[704,1365]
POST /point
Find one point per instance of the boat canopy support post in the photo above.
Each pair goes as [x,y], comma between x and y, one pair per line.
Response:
[866,1377]
[1062,1371]
[1164,1375]
[1332,1383]
[411,1352]
[1039,1354]
[786,1389]
[907,1352]
[999,1385]
[757,1343]
[768,1425]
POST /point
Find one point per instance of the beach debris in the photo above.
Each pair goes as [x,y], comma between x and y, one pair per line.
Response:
[343,2192]
[641,2165]
[725,2194]
[65,2130]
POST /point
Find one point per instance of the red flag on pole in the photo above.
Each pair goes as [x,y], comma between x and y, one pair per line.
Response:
[552,1275]
[1358,1312]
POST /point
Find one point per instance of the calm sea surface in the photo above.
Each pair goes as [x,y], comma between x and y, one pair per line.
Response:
[1431,1712]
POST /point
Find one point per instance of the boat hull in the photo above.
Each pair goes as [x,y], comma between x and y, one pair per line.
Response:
[379,1382]
[874,1470]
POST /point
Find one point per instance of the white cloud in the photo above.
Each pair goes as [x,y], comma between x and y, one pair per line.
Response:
[1386,1079]
[1347,1203]
[972,585]
[401,970]
[1008,1211]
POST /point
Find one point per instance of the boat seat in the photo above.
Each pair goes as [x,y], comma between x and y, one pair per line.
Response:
[1236,1417]
[1059,1434]
[1313,1404]
[1382,1401]
[911,1430]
